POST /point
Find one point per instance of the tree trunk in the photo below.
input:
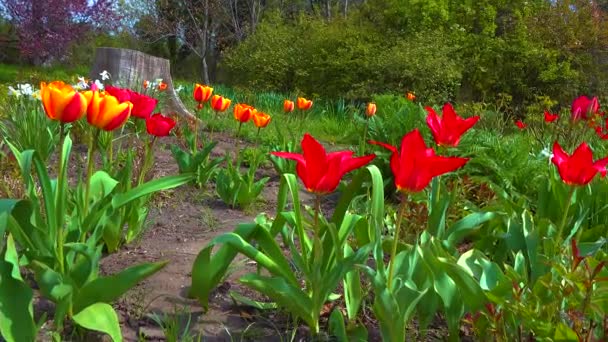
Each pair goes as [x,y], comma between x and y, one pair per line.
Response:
[130,68]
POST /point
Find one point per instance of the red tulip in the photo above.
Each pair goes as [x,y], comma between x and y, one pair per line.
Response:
[578,168]
[550,117]
[448,130]
[243,112]
[520,124]
[143,105]
[121,94]
[320,171]
[159,125]
[202,94]
[416,165]
[583,107]
[219,103]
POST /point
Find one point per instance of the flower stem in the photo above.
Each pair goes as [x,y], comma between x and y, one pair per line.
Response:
[60,181]
[145,167]
[90,162]
[111,149]
[560,230]
[362,145]
[195,148]
[400,215]
[317,213]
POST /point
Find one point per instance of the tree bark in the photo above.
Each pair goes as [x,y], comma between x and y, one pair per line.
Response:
[130,68]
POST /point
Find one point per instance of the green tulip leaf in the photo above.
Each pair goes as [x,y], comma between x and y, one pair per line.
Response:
[100,317]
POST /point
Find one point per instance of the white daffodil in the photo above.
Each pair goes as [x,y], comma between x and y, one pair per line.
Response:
[13,92]
[105,75]
[82,83]
[36,95]
[25,89]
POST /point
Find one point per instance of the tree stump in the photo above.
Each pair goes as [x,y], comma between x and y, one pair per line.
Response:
[129,68]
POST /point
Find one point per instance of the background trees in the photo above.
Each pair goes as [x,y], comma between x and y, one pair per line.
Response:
[442,49]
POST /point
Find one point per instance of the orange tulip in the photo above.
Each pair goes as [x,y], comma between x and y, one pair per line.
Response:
[146,84]
[304,104]
[370,110]
[243,112]
[220,103]
[202,94]
[105,111]
[410,96]
[288,106]
[162,86]
[61,102]
[260,119]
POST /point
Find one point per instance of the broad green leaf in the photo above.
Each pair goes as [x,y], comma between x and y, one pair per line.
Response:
[353,295]
[107,289]
[16,310]
[277,289]
[564,333]
[100,317]
[336,326]
[253,253]
[153,186]
[102,184]
[207,271]
[51,283]
[466,225]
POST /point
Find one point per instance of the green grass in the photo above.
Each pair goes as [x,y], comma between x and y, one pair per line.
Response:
[12,74]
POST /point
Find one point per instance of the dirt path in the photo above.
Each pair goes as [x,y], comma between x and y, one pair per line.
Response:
[182,223]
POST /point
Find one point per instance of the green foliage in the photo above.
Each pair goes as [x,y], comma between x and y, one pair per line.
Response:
[25,124]
[321,260]
[195,161]
[239,189]
[62,243]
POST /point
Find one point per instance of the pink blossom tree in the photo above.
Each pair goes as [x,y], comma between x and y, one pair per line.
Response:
[46,28]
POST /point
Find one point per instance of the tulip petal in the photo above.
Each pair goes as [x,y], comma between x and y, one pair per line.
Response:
[75,109]
[119,119]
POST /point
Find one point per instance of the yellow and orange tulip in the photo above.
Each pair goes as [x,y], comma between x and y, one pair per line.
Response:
[410,96]
[202,94]
[243,112]
[162,86]
[261,119]
[370,110]
[304,104]
[220,103]
[105,111]
[146,84]
[288,106]
[61,102]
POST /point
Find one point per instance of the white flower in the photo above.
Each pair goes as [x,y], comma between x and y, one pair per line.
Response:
[546,153]
[105,75]
[180,88]
[36,95]
[82,83]
[99,85]
[25,89]
[158,81]
[13,92]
